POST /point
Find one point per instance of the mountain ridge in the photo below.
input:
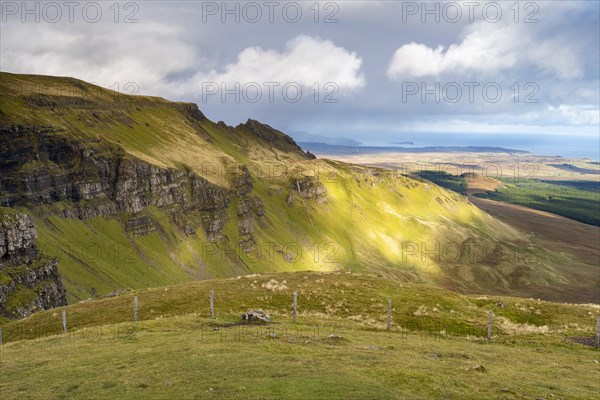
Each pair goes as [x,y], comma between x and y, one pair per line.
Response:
[136,191]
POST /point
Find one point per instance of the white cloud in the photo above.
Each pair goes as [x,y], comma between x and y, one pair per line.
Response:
[160,62]
[142,53]
[304,61]
[578,114]
[486,49]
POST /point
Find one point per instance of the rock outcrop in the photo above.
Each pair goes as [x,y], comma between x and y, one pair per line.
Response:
[310,188]
[256,316]
[274,138]
[29,281]
[249,210]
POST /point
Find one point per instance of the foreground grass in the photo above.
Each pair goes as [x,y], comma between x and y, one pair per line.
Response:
[339,349]
[184,358]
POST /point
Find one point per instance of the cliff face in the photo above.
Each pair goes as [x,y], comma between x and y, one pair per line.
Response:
[54,175]
[29,281]
[98,180]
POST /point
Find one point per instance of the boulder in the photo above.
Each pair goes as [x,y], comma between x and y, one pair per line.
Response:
[256,315]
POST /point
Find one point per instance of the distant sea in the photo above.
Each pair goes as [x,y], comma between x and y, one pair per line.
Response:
[542,145]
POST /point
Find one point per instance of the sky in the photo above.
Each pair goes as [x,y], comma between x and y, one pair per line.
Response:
[367,70]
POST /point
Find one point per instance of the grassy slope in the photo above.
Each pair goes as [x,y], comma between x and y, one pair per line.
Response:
[349,298]
[169,362]
[366,224]
[175,352]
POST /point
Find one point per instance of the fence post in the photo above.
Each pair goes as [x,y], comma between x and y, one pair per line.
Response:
[135,308]
[598,333]
[64,320]
[389,325]
[295,305]
[490,319]
[212,303]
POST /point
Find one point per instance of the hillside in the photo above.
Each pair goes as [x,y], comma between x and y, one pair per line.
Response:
[339,346]
[135,192]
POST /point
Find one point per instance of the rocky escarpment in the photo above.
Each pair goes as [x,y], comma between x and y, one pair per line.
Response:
[250,209]
[29,281]
[40,166]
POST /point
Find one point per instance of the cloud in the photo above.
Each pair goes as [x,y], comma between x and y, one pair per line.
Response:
[142,53]
[305,60]
[156,57]
[487,49]
[577,114]
[169,54]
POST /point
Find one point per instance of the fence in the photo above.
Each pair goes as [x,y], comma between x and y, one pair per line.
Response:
[433,330]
